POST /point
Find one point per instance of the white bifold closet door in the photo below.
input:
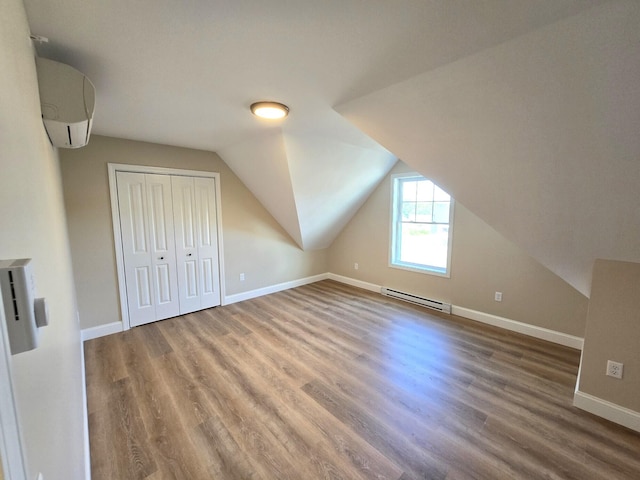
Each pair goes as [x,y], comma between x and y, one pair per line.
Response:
[146,223]
[194,211]
[169,240]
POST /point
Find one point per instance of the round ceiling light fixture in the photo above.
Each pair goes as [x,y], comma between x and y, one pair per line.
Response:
[270,110]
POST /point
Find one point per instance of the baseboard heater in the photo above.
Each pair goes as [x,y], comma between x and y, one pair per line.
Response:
[425,302]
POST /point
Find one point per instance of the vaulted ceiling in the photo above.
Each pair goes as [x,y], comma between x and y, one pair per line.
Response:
[539,136]
[431,82]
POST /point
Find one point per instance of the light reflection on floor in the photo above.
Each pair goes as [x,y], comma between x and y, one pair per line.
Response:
[416,356]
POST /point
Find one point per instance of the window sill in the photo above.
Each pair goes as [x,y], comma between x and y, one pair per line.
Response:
[425,270]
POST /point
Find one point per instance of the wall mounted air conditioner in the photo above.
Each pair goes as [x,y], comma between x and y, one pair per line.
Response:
[67,100]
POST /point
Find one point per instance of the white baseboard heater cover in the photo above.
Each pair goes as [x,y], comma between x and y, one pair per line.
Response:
[425,302]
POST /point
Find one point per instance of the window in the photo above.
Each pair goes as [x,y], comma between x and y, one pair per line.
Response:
[422,217]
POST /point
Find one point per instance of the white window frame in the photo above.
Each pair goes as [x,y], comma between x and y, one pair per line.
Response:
[394,210]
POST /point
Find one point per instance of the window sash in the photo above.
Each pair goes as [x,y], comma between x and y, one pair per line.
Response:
[435,256]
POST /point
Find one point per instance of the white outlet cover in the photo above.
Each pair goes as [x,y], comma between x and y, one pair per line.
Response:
[614,369]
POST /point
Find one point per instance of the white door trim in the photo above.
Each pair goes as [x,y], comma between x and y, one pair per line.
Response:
[117,234]
[11,452]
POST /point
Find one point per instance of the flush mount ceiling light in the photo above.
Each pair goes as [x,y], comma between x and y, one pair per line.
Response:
[271,110]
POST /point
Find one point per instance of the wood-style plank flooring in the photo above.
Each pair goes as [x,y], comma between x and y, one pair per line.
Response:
[327,381]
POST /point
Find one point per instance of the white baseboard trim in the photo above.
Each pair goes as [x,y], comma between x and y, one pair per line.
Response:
[117,327]
[508,324]
[239,297]
[355,283]
[101,331]
[520,327]
[605,409]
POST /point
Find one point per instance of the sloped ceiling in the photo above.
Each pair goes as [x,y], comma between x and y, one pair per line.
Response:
[184,73]
[539,136]
[311,185]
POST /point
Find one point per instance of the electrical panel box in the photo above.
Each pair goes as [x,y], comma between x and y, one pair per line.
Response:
[24,313]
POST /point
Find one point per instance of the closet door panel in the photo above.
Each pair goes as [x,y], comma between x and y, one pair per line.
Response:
[205,189]
[143,287]
[134,225]
[162,244]
[186,234]
[191,278]
[163,285]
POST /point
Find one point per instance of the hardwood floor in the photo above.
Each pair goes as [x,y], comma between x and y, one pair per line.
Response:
[327,381]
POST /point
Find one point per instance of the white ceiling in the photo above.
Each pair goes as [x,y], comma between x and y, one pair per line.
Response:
[185,72]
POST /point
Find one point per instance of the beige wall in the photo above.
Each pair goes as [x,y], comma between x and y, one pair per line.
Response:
[538,136]
[613,333]
[482,263]
[253,242]
[48,380]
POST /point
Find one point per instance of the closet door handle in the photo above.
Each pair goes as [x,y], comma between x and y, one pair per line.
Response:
[188,254]
[161,258]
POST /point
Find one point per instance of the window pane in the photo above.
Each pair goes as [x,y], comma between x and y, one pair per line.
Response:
[409,191]
[425,244]
[408,212]
[424,212]
[440,195]
[441,212]
[425,191]
[421,230]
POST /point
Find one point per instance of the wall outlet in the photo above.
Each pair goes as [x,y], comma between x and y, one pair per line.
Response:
[614,369]
[498,296]
[242,277]
[356,266]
